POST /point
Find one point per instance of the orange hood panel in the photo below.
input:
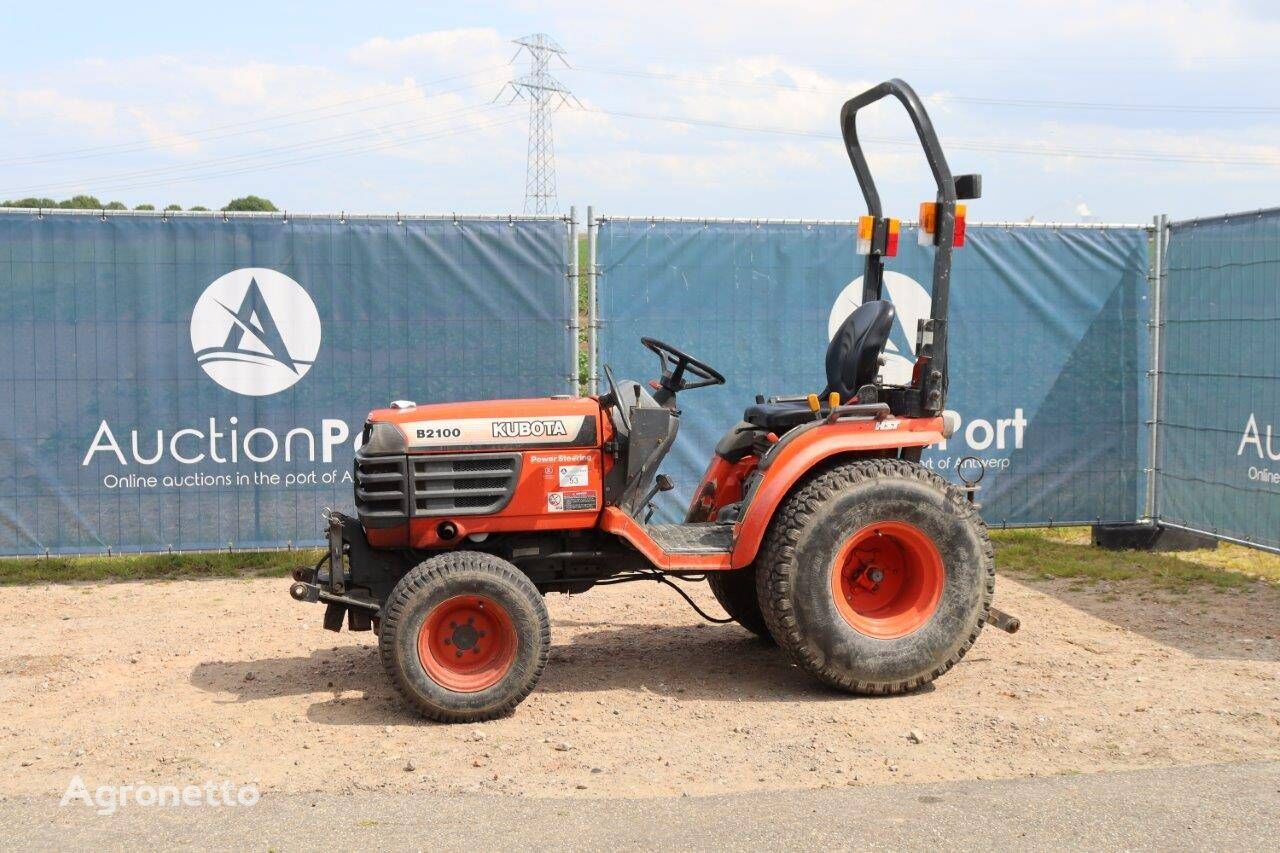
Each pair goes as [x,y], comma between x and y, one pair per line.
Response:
[539,422]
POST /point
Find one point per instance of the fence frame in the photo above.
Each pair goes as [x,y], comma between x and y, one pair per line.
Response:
[572,283]
[1164,230]
[1156,276]
[1159,230]
[1151,229]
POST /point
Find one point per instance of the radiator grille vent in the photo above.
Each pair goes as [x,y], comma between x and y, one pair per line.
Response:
[380,488]
[471,484]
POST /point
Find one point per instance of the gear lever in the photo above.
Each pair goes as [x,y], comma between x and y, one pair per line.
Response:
[662,483]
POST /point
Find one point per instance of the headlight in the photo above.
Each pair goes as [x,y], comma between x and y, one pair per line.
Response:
[382,438]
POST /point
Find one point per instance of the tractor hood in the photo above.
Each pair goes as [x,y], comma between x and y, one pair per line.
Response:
[540,422]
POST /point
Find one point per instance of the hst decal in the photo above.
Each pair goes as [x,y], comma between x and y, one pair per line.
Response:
[500,432]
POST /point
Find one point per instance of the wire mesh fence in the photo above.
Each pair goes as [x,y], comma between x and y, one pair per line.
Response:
[1068,399]
[200,381]
[1048,341]
[1218,375]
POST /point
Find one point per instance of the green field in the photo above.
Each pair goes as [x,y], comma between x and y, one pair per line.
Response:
[131,567]
[1065,552]
[1032,554]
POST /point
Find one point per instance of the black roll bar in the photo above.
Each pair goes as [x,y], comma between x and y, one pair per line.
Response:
[931,342]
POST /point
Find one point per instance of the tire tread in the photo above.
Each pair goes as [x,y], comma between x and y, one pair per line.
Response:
[776,567]
[435,570]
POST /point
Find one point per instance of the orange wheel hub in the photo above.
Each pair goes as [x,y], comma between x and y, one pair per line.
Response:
[467,643]
[887,579]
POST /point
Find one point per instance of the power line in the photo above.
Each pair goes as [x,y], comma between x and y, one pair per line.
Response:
[258,124]
[1037,149]
[288,162]
[545,95]
[124,179]
[987,101]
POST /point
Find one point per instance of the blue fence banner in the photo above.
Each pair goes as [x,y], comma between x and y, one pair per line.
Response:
[1218,445]
[200,381]
[1048,334]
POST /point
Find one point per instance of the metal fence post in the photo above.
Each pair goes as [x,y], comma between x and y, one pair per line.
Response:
[1151,510]
[593,275]
[574,289]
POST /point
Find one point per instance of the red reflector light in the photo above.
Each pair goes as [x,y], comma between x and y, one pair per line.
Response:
[891,238]
[957,239]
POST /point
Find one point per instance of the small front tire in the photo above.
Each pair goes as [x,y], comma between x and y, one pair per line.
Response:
[464,637]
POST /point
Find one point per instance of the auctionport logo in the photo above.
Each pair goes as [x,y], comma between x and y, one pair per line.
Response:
[255,331]
[911,304]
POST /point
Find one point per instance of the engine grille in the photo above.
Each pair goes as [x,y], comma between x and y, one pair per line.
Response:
[381,494]
[464,484]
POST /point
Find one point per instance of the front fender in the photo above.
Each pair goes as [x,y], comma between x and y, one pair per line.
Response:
[800,453]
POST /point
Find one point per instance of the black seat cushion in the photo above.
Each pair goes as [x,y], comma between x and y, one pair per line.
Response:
[778,417]
[853,356]
[853,360]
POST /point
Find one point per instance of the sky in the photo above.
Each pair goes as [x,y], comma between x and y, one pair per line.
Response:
[1089,111]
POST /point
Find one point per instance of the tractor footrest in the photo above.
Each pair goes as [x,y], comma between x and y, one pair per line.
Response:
[700,538]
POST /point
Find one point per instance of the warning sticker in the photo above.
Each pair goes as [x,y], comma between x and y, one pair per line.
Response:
[579,501]
[571,501]
[572,476]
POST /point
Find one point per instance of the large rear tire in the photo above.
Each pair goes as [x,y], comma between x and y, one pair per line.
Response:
[876,576]
[465,637]
[736,592]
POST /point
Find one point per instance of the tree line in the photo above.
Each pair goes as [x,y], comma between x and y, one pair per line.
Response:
[89,202]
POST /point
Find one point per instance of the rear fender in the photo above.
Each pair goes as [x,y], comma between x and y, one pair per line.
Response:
[800,452]
[721,485]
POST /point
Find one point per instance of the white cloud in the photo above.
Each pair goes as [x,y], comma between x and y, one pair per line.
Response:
[51,108]
[766,64]
[462,48]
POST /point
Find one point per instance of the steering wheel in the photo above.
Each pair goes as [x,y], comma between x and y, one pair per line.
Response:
[675,366]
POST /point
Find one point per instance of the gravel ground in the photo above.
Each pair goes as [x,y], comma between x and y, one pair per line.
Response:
[189,681]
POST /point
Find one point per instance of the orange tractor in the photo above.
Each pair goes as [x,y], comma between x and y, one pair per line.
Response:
[815,524]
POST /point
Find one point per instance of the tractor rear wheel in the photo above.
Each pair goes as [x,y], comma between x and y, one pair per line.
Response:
[736,592]
[464,636]
[876,576]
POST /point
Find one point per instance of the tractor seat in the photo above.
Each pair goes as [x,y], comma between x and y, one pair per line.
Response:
[853,360]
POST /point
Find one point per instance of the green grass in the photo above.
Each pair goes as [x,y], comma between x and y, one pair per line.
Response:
[1038,553]
[132,567]
[1066,553]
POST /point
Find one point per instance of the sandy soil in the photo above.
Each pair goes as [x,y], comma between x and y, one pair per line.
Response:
[186,682]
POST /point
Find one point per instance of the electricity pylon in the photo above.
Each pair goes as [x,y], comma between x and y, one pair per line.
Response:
[545,95]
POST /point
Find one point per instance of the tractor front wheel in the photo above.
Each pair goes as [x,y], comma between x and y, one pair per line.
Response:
[876,576]
[465,637]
